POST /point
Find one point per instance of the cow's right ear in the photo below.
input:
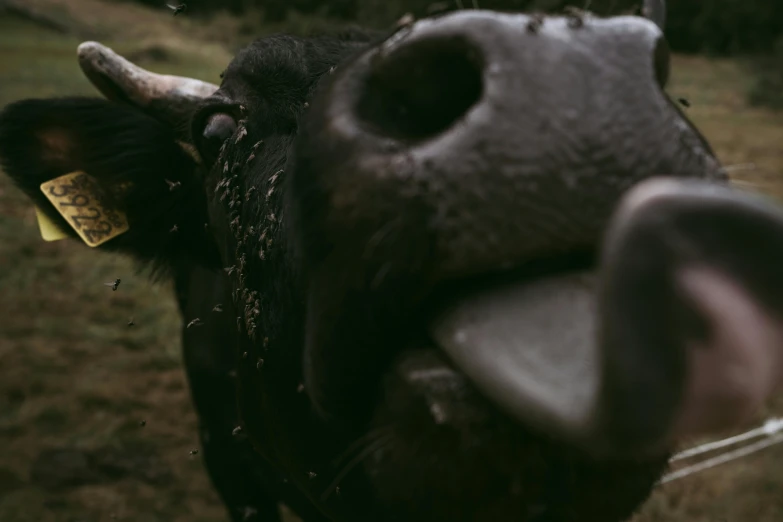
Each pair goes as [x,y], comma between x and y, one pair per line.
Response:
[133,164]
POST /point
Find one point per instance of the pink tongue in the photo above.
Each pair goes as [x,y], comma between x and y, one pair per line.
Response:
[531,348]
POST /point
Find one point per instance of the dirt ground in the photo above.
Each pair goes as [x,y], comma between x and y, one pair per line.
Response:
[95,418]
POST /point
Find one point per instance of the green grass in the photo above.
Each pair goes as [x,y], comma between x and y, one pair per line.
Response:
[72,374]
[740,134]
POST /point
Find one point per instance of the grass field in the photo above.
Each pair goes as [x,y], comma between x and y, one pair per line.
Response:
[76,382]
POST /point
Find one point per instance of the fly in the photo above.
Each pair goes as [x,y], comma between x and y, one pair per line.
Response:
[178,9]
[195,322]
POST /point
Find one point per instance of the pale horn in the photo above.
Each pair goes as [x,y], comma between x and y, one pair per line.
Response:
[170,99]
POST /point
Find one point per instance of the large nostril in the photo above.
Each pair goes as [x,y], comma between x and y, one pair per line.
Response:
[661,62]
[420,90]
[215,130]
[219,128]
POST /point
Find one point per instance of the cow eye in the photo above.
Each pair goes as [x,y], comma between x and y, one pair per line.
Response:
[214,130]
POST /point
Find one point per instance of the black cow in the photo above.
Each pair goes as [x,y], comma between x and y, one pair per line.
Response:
[454,289]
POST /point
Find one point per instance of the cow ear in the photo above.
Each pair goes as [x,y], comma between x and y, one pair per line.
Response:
[691,316]
[130,166]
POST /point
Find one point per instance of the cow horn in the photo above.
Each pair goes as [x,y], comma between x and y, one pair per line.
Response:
[655,10]
[168,98]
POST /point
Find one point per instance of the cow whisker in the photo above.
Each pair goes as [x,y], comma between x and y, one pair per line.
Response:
[745,184]
[371,448]
[358,443]
[740,166]
[380,275]
[381,235]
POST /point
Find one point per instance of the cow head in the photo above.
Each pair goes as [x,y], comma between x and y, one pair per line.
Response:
[462,294]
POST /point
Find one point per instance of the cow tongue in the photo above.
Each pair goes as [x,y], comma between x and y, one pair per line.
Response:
[530,348]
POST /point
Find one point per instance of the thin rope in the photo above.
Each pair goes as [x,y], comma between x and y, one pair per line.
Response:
[722,459]
[769,428]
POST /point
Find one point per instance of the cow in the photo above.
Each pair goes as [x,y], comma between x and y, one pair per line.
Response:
[481,268]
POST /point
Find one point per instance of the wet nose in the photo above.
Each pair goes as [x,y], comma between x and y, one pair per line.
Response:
[508,136]
[445,72]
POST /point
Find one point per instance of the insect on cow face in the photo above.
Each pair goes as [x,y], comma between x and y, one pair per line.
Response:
[460,294]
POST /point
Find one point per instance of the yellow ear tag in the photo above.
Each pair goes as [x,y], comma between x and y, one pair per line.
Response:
[80,200]
[49,229]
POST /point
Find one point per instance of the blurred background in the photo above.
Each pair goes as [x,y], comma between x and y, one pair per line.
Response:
[95,417]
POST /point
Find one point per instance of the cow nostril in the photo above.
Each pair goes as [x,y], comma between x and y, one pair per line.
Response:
[422,89]
[211,132]
[661,62]
[219,128]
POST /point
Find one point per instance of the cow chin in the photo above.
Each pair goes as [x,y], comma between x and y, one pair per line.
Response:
[439,451]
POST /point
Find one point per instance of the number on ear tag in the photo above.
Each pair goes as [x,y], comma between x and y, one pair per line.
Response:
[81,201]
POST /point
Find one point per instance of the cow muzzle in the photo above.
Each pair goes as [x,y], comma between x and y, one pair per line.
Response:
[480,143]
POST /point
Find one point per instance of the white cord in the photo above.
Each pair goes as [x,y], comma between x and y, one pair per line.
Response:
[769,428]
[723,458]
